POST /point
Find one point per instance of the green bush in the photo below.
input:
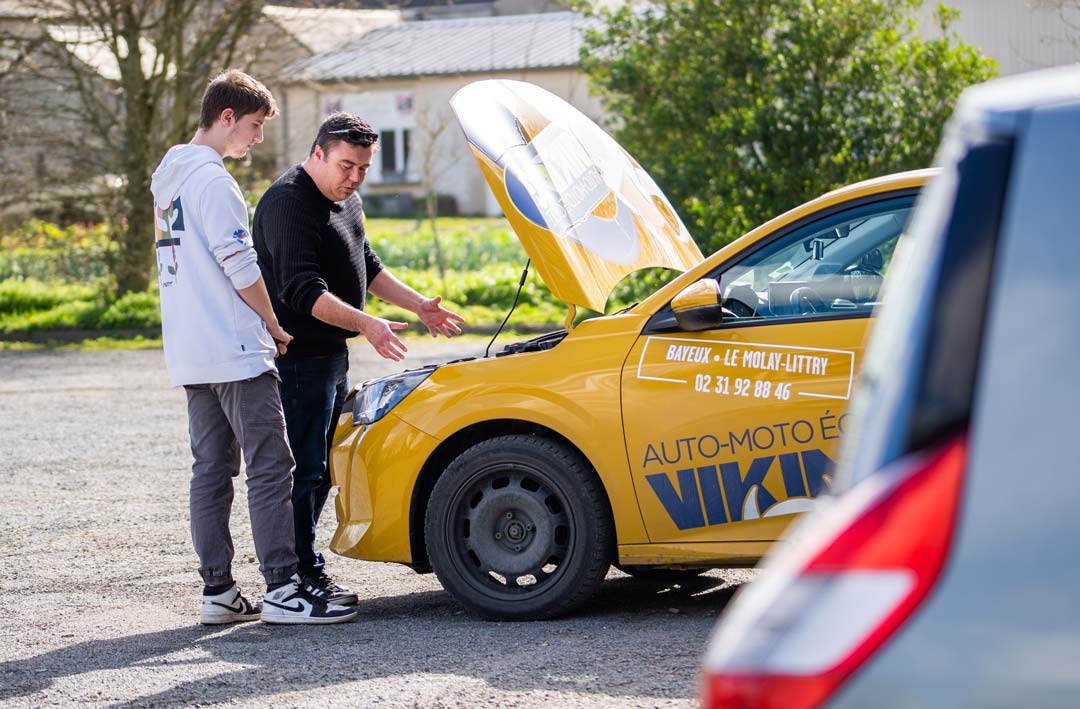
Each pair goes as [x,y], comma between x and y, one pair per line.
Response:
[637,286]
[53,278]
[45,251]
[35,233]
[132,311]
[742,110]
[27,296]
[483,297]
[33,306]
[77,314]
[72,264]
[467,244]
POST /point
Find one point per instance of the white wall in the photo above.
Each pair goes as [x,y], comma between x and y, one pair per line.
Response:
[381,103]
[1021,35]
[299,121]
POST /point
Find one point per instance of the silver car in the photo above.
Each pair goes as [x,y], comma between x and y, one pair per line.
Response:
[945,573]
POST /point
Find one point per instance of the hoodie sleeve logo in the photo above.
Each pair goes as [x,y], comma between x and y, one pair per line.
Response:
[168,225]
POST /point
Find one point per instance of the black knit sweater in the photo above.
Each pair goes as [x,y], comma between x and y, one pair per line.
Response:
[308,245]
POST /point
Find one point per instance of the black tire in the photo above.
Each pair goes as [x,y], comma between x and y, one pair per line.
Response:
[660,573]
[518,528]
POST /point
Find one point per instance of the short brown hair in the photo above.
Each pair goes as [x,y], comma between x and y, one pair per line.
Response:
[236,90]
[333,131]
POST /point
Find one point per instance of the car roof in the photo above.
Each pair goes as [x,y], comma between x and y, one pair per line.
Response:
[909,179]
[864,188]
[884,183]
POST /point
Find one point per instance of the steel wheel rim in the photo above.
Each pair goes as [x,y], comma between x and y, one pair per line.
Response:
[510,531]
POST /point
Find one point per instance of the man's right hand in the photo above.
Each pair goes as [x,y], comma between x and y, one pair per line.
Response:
[281,338]
[380,333]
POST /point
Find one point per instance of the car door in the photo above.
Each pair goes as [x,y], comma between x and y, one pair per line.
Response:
[732,426]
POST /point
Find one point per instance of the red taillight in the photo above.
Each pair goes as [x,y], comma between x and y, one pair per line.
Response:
[833,597]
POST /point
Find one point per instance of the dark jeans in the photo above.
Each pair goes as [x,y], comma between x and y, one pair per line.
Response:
[313,390]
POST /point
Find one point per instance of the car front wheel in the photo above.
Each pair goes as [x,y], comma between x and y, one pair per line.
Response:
[518,528]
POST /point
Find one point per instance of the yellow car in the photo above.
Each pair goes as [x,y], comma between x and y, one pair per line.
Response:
[683,433]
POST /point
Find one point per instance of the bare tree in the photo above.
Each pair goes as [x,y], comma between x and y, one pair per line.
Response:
[1068,12]
[438,154]
[104,87]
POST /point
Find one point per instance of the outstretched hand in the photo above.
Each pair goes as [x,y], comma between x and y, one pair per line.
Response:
[380,333]
[438,319]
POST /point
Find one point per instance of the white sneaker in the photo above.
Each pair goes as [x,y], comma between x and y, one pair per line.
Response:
[229,606]
[293,604]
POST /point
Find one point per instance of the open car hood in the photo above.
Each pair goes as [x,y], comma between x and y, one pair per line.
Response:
[583,208]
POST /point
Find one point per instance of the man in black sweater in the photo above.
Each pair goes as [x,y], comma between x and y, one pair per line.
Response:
[318,267]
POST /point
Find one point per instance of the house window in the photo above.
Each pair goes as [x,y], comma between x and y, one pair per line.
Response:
[395,153]
[392,114]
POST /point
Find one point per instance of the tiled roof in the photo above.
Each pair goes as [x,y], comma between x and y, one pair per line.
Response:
[324,28]
[458,46]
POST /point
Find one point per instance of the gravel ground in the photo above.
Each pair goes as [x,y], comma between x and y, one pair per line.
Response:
[100,591]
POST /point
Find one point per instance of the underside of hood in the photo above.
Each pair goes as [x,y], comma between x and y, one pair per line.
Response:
[583,208]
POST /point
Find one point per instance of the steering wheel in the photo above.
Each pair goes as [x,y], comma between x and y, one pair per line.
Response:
[742,300]
[869,265]
[861,269]
[738,309]
[806,301]
[865,277]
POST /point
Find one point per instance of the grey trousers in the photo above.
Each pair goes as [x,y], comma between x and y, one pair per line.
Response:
[223,420]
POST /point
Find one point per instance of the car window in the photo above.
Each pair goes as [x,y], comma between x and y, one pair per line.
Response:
[832,266]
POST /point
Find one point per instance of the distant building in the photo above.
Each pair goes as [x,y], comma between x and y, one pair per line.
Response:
[320,29]
[398,69]
[400,78]
[1021,35]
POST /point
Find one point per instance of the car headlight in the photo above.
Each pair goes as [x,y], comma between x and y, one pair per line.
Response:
[375,398]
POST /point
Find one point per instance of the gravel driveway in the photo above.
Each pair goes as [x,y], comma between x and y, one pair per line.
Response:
[99,596]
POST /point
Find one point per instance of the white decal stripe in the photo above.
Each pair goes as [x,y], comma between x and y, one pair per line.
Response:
[641,361]
[752,344]
[849,353]
[851,376]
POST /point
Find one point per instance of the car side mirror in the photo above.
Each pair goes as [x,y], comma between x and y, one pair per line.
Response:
[697,307]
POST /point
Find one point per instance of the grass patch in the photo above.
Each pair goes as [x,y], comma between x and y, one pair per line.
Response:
[54,279]
[106,342]
[466,244]
[131,312]
[74,315]
[44,251]
[31,295]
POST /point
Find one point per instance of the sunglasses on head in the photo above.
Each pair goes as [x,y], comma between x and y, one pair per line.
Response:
[356,136]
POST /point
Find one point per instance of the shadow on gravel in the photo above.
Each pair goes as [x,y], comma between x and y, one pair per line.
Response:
[600,650]
[630,596]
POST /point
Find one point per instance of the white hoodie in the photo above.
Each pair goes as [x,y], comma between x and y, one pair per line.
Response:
[204,254]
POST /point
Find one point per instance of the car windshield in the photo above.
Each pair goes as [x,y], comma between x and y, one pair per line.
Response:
[834,264]
[845,244]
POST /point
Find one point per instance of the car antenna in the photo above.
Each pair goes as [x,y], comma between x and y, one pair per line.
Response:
[521,284]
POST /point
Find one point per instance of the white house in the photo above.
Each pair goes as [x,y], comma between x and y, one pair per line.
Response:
[400,79]
[1020,35]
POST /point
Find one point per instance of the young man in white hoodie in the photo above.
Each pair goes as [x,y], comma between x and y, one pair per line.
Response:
[221,337]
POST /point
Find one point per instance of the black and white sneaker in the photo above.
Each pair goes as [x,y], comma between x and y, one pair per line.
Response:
[331,590]
[229,606]
[294,604]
